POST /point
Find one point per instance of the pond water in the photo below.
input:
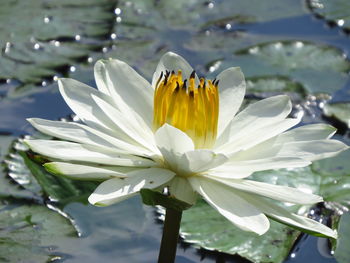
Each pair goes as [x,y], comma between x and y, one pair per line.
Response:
[294,47]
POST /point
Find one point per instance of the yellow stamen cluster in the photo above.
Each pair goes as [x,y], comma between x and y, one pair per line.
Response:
[189,106]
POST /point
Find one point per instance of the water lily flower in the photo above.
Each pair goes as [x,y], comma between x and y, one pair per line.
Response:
[187,134]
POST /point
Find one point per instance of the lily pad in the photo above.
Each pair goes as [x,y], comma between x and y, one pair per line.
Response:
[32,232]
[334,174]
[8,187]
[50,36]
[343,243]
[270,86]
[340,111]
[336,11]
[204,227]
[30,179]
[184,26]
[319,68]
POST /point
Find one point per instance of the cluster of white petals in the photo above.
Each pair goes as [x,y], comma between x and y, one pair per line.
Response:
[115,143]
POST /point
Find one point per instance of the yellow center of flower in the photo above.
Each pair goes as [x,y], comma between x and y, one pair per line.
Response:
[192,108]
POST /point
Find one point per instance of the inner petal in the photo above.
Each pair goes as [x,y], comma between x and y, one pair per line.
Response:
[189,107]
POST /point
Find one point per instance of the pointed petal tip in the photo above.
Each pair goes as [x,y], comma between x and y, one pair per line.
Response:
[30,120]
[94,200]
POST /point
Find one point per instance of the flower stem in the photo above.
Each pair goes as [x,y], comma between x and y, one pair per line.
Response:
[170,236]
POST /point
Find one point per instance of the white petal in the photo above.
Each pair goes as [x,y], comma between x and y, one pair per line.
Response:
[115,190]
[197,161]
[83,134]
[282,215]
[255,136]
[313,150]
[125,124]
[172,62]
[100,75]
[78,97]
[228,203]
[232,89]
[69,151]
[277,192]
[310,132]
[173,143]
[227,172]
[87,172]
[181,189]
[129,90]
[307,150]
[263,164]
[260,114]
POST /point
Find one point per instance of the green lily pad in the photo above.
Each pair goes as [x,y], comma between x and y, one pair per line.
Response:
[204,227]
[32,233]
[320,69]
[62,190]
[340,111]
[8,187]
[50,36]
[270,86]
[182,25]
[334,174]
[27,172]
[342,250]
[336,11]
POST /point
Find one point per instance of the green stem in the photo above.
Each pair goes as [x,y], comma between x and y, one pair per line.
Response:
[170,236]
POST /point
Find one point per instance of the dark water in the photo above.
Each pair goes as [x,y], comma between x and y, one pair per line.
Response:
[130,232]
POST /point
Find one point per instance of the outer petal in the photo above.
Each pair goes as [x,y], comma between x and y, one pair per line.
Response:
[277,192]
[84,134]
[173,143]
[115,190]
[277,148]
[313,150]
[282,215]
[231,205]
[87,172]
[128,89]
[254,117]
[69,151]
[309,132]
[237,166]
[232,89]
[171,61]
[256,136]
[127,125]
[78,97]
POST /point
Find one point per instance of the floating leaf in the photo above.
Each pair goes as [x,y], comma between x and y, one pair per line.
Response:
[50,36]
[270,86]
[336,11]
[320,69]
[342,251]
[206,228]
[32,233]
[340,111]
[8,187]
[59,189]
[181,25]
[334,176]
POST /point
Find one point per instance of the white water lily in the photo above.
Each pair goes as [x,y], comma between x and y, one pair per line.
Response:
[186,134]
